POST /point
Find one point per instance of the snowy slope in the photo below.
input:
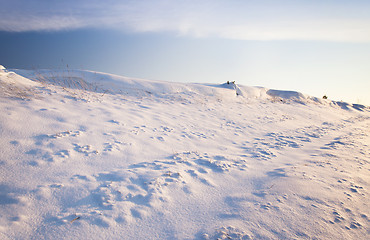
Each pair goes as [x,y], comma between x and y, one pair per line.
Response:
[87,155]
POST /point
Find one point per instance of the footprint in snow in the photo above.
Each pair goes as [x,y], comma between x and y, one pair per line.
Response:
[227,233]
[85,149]
[114,122]
[135,191]
[63,153]
[114,146]
[278,172]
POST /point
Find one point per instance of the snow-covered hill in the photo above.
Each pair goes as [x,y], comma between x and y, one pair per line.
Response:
[87,155]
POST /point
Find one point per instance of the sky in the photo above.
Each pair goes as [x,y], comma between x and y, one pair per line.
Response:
[318,47]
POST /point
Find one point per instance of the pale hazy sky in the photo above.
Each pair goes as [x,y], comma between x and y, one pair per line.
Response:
[313,46]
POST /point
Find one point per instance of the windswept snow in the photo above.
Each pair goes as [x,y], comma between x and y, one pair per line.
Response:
[88,155]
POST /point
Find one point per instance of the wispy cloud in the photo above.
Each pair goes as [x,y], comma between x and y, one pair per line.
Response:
[232,19]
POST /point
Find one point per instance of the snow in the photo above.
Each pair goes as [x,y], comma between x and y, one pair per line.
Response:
[89,155]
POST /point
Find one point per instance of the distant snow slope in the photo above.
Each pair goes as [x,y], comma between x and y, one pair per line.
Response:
[87,155]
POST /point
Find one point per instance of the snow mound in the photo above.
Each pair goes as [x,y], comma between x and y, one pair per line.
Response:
[348,106]
[14,85]
[110,83]
[103,83]
[292,95]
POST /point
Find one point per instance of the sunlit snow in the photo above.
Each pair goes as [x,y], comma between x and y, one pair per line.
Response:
[88,155]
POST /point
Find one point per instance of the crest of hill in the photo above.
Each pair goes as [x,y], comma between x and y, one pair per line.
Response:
[104,82]
[115,84]
[10,77]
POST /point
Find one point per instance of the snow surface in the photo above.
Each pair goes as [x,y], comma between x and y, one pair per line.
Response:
[87,155]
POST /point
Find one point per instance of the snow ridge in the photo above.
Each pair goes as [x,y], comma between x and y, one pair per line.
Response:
[109,83]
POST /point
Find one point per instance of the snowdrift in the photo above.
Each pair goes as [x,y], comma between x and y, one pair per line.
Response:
[117,84]
[109,83]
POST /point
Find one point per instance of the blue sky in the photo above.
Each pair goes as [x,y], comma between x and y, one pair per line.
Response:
[317,47]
